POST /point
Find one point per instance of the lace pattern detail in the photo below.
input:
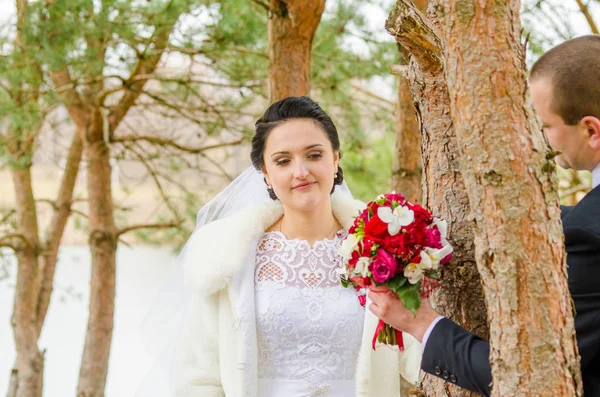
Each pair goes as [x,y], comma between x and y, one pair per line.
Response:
[309,327]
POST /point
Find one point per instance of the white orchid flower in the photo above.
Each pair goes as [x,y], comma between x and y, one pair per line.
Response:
[401,216]
[413,273]
[442,226]
[349,244]
[434,256]
[362,266]
[427,262]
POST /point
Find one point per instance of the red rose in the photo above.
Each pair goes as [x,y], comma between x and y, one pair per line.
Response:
[376,229]
[396,244]
[364,248]
[415,236]
[396,197]
[421,214]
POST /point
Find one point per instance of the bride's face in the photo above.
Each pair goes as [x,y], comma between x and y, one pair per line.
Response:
[300,164]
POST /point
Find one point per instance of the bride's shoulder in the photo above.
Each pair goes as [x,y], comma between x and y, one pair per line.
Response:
[218,249]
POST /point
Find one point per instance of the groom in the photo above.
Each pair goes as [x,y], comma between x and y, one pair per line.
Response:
[565,88]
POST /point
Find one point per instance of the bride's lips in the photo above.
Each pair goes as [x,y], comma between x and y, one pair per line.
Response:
[303,185]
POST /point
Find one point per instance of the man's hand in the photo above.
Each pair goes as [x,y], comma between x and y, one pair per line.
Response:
[389,308]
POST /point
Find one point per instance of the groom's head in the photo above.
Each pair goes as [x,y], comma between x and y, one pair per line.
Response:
[565,88]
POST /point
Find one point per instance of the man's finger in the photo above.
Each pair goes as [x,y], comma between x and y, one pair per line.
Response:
[375,296]
[376,310]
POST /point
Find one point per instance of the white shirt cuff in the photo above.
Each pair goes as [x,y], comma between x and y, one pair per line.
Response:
[430,329]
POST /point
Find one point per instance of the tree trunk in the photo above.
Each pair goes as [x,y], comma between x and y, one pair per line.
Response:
[28,366]
[54,233]
[34,285]
[514,204]
[292,27]
[407,167]
[460,296]
[103,245]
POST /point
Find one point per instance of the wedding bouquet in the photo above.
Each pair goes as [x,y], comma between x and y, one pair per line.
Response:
[399,245]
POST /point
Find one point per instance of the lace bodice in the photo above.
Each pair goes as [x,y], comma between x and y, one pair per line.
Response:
[309,327]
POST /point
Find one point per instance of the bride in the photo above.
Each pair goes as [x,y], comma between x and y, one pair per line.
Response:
[268,316]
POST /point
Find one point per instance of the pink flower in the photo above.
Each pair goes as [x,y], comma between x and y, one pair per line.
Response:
[433,237]
[384,266]
[446,259]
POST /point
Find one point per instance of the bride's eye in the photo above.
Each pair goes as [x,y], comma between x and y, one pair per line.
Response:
[315,156]
[281,161]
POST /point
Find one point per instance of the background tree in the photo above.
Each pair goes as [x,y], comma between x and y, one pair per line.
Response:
[292,27]
[24,103]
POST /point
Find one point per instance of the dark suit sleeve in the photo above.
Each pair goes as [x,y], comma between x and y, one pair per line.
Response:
[458,356]
[583,259]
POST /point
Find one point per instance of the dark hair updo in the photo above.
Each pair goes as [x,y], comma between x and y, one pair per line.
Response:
[294,107]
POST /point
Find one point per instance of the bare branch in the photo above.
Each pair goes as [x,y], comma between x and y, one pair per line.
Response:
[416,33]
[588,16]
[167,142]
[373,95]
[7,215]
[9,240]
[262,4]
[399,70]
[149,226]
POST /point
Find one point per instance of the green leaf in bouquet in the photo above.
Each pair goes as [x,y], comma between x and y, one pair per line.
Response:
[434,274]
[345,282]
[396,283]
[409,295]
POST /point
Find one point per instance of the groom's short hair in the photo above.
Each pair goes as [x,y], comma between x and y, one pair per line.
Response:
[573,70]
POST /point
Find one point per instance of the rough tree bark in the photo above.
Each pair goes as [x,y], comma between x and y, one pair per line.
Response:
[512,190]
[460,295]
[505,162]
[407,167]
[292,27]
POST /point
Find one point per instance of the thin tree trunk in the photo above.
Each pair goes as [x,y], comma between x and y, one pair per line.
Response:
[55,231]
[460,295]
[29,360]
[292,27]
[103,245]
[514,203]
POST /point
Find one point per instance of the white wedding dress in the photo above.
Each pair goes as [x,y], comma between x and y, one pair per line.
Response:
[309,327]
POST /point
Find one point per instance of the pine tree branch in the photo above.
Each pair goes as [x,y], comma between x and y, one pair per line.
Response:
[146,64]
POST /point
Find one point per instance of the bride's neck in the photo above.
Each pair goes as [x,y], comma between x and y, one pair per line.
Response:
[308,225]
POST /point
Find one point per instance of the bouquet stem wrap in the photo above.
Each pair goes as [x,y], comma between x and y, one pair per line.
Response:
[384,333]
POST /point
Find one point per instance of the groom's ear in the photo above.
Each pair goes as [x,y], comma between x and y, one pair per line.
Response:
[592,128]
